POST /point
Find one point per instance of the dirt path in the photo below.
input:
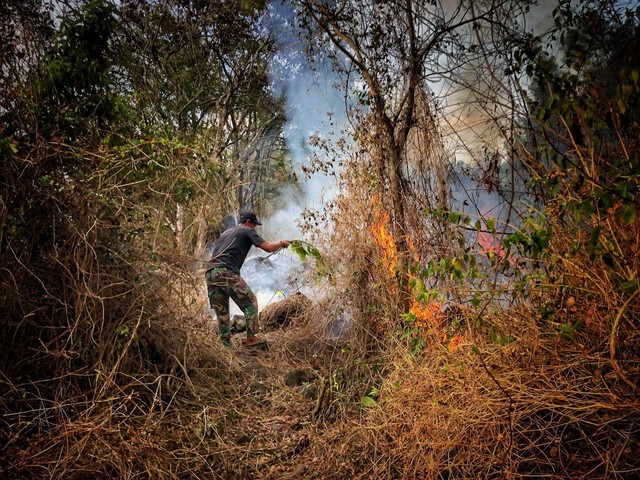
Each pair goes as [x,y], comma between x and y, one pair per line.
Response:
[274,421]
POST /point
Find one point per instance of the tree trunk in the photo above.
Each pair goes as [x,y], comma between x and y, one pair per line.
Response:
[201,238]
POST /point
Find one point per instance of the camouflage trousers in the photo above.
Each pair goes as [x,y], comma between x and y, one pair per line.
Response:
[222,285]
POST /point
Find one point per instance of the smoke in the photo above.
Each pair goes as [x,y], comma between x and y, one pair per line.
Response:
[477,104]
[475,93]
[314,108]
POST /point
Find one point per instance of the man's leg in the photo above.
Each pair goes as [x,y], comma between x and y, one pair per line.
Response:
[247,301]
[218,288]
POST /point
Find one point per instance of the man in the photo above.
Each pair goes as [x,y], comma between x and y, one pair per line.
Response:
[224,280]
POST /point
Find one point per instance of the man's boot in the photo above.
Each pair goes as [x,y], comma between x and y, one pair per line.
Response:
[255,342]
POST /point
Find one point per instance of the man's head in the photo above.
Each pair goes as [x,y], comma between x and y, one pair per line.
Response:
[249,216]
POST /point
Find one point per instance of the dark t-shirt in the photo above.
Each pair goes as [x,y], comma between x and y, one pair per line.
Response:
[232,247]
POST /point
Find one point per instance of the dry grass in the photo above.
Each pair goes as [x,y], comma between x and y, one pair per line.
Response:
[533,409]
[122,376]
[544,387]
[204,411]
[539,406]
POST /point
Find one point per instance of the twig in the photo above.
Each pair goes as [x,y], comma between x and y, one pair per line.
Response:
[319,402]
[612,342]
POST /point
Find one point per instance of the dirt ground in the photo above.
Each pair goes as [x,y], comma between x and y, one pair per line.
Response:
[281,422]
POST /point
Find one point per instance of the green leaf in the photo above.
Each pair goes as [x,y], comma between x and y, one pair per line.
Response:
[627,213]
[630,286]
[298,248]
[123,329]
[567,328]
[491,224]
[304,249]
[407,334]
[369,402]
[454,217]
[492,334]
[577,215]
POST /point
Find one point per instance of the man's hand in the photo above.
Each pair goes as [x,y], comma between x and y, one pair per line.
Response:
[274,246]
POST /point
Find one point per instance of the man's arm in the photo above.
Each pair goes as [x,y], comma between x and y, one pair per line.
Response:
[274,246]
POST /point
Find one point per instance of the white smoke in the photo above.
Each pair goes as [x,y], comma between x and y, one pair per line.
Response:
[314,108]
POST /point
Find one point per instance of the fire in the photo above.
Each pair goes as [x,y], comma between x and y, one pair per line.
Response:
[429,317]
[385,241]
[454,343]
[489,245]
[426,315]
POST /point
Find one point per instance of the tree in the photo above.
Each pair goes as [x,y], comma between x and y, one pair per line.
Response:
[25,32]
[396,50]
[90,174]
[199,71]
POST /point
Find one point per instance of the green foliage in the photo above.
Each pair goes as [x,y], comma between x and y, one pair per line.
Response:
[304,250]
[356,379]
[630,286]
[8,146]
[530,244]
[604,120]
[109,128]
[369,402]
[498,337]
[75,84]
[413,335]
[586,161]
[201,75]
[568,330]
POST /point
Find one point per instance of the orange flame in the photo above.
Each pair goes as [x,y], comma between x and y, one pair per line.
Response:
[489,244]
[385,242]
[428,317]
[455,342]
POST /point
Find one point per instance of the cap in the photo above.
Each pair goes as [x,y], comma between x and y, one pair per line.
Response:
[249,215]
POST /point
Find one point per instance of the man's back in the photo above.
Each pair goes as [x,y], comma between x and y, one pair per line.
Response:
[232,247]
